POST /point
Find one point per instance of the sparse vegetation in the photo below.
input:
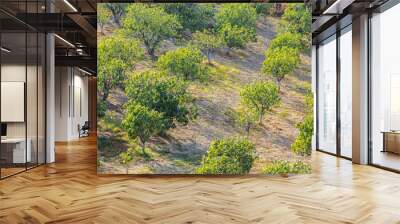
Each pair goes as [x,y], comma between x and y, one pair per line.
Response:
[207,42]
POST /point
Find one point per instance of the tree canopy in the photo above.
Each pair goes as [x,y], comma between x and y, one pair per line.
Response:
[116,55]
[207,42]
[228,156]
[103,16]
[151,25]
[117,10]
[290,40]
[185,62]
[233,36]
[142,122]
[279,62]
[260,96]
[165,94]
[238,15]
[192,16]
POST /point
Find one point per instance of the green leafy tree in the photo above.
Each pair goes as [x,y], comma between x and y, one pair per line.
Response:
[237,15]
[103,16]
[290,40]
[207,42]
[260,97]
[297,20]
[142,123]
[280,62]
[192,16]
[234,36]
[125,158]
[165,94]
[117,11]
[115,56]
[185,62]
[263,8]
[246,118]
[151,25]
[228,156]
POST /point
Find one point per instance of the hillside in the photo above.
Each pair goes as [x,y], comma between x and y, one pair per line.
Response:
[182,148]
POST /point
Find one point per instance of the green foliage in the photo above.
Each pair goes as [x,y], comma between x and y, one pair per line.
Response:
[151,25]
[290,40]
[101,108]
[234,36]
[117,10]
[185,62]
[286,167]
[115,56]
[237,15]
[297,20]
[263,8]
[207,42]
[246,118]
[125,158]
[279,62]
[192,16]
[142,123]
[103,16]
[260,97]
[228,156]
[302,143]
[165,94]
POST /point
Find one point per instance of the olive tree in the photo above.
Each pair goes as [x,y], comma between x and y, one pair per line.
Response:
[185,62]
[280,62]
[228,156]
[234,36]
[246,117]
[290,40]
[117,11]
[115,56]
[238,15]
[151,25]
[260,96]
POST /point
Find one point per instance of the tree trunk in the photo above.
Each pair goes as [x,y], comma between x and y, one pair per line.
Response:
[106,91]
[152,54]
[143,143]
[248,129]
[127,169]
[260,118]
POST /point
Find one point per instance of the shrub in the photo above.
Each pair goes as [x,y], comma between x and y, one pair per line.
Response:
[228,156]
[302,144]
[237,15]
[101,108]
[207,42]
[234,36]
[245,118]
[125,158]
[260,97]
[286,167]
[290,40]
[185,62]
[263,8]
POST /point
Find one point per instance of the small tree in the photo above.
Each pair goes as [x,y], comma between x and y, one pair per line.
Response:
[185,62]
[234,36]
[125,158]
[103,16]
[164,94]
[151,25]
[263,8]
[260,97]
[117,11]
[246,118]
[192,16]
[115,56]
[228,156]
[142,123]
[290,40]
[279,62]
[237,15]
[207,42]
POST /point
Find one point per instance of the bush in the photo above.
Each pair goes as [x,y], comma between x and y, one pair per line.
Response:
[286,167]
[302,144]
[228,156]
[234,36]
[263,8]
[185,62]
[207,42]
[237,15]
[290,40]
